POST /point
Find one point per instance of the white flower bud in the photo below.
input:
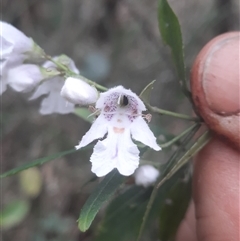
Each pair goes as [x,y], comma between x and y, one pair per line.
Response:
[25,77]
[79,92]
[146,175]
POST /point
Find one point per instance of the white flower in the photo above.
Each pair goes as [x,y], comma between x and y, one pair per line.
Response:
[121,118]
[19,42]
[54,102]
[146,175]
[79,92]
[25,77]
[16,47]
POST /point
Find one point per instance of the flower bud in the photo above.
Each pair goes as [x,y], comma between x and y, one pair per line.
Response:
[79,92]
[25,77]
[146,175]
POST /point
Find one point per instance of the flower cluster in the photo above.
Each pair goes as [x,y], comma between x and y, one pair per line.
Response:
[19,54]
[58,80]
[121,118]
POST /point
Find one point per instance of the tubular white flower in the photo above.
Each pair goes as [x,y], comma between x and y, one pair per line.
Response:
[146,175]
[25,77]
[120,117]
[16,47]
[20,42]
[79,92]
[54,102]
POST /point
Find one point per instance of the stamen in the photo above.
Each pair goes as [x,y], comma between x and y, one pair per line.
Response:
[94,111]
[148,117]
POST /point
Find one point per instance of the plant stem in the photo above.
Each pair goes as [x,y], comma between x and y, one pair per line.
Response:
[149,206]
[170,113]
[70,73]
[175,139]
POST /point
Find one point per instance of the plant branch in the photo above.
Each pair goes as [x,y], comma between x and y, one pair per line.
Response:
[175,139]
[70,73]
[170,113]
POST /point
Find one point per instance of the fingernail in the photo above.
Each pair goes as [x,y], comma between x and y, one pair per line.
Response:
[220,76]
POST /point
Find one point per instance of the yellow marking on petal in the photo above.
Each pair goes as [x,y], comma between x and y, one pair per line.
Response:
[118,130]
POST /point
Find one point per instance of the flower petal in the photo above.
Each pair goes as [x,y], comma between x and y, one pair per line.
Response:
[116,151]
[102,161]
[54,103]
[25,77]
[21,42]
[97,130]
[6,48]
[141,132]
[128,155]
[119,89]
[42,89]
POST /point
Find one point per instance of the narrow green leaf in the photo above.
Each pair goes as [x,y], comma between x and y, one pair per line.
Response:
[126,211]
[123,213]
[195,148]
[100,195]
[13,213]
[180,151]
[37,162]
[173,211]
[170,164]
[171,34]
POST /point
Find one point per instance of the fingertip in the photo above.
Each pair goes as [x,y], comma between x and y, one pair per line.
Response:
[216,87]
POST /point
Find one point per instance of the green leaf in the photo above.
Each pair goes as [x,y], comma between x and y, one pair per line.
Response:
[164,171]
[171,35]
[99,196]
[37,162]
[85,114]
[126,211]
[123,216]
[14,213]
[172,212]
[194,149]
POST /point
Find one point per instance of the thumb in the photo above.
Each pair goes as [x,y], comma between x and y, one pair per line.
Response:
[215,88]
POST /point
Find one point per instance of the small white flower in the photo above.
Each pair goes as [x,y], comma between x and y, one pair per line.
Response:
[79,92]
[121,118]
[146,175]
[20,43]
[16,47]
[25,77]
[54,102]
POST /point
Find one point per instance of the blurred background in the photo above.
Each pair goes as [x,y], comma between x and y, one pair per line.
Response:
[112,42]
